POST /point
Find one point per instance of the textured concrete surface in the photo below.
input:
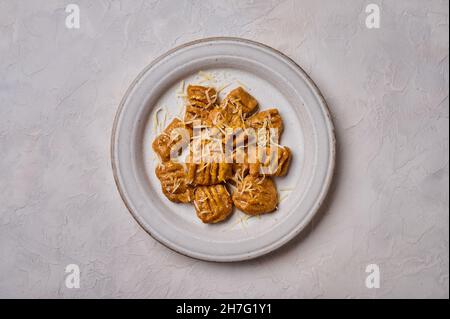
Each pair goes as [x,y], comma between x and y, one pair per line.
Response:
[387,89]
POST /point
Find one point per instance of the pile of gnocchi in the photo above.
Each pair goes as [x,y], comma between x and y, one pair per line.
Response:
[241,177]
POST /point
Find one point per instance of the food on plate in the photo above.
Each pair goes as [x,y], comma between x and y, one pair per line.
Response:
[256,195]
[266,119]
[232,145]
[212,203]
[233,110]
[271,161]
[173,182]
[201,96]
[241,100]
[175,132]
[205,173]
[200,100]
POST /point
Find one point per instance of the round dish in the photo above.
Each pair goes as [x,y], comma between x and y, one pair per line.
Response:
[275,81]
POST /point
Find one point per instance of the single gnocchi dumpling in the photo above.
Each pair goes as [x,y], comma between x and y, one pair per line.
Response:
[240,100]
[268,119]
[200,101]
[212,203]
[173,182]
[174,133]
[256,195]
[208,173]
[271,161]
[201,96]
[233,110]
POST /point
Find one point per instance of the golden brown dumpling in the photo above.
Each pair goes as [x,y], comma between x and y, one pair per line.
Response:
[171,135]
[173,182]
[256,195]
[201,96]
[212,203]
[200,101]
[233,110]
[206,173]
[239,99]
[273,161]
[266,119]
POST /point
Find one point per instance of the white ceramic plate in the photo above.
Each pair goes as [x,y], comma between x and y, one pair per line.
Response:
[275,81]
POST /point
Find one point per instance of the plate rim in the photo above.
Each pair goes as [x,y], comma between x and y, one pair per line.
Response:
[332,144]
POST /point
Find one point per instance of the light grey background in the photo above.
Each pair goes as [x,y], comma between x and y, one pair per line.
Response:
[387,90]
